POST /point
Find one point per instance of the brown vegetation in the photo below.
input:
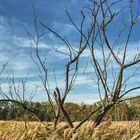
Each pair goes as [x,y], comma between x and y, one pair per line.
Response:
[124,130]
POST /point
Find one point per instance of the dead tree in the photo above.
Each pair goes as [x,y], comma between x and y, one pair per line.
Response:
[102,17]
[57,98]
[113,54]
[15,92]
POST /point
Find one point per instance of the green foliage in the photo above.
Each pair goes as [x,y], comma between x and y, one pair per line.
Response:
[128,110]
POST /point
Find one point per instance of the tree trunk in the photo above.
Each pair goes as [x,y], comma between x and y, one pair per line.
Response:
[56,118]
[66,117]
[101,115]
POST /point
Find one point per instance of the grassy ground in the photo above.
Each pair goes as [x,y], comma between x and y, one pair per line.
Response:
[13,130]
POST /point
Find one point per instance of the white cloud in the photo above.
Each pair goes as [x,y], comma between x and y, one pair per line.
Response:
[83,80]
[15,49]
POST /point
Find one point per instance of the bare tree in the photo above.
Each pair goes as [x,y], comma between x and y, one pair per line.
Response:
[102,17]
[15,92]
[57,99]
[113,54]
[111,65]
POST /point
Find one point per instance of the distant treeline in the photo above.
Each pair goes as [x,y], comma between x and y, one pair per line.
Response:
[128,110]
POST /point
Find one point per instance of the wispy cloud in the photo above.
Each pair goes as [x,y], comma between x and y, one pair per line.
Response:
[15,46]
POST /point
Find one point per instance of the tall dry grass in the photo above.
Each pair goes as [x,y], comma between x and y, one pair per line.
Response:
[13,130]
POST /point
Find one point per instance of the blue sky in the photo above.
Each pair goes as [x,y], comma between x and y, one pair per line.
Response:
[16,18]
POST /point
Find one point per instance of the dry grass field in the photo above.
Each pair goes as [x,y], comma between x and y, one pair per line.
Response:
[13,130]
